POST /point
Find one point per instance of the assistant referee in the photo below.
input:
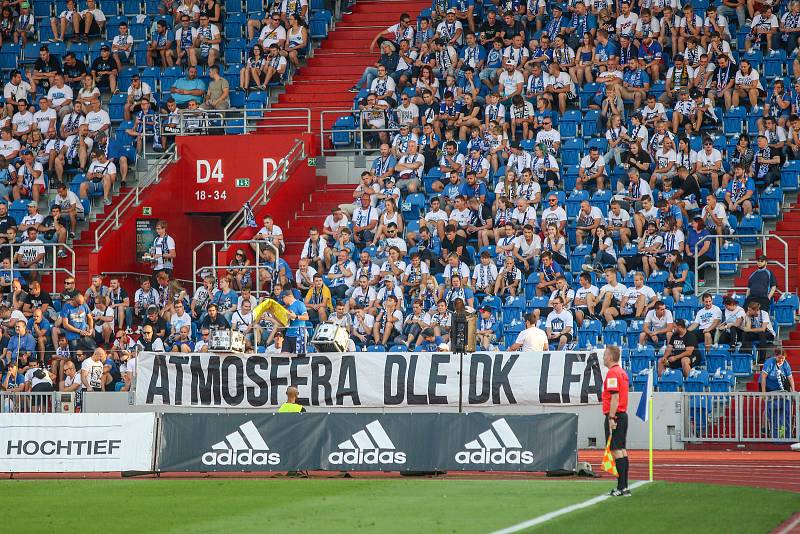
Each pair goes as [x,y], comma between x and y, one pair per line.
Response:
[615,407]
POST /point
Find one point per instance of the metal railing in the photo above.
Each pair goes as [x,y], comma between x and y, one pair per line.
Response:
[355,143]
[260,196]
[136,274]
[716,238]
[232,121]
[133,198]
[45,402]
[216,246]
[741,417]
[49,263]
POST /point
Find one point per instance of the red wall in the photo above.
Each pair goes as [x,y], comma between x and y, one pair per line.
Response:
[170,201]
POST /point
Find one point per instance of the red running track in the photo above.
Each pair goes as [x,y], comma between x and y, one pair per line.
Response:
[761,469]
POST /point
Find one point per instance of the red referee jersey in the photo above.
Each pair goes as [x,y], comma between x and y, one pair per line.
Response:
[616,382]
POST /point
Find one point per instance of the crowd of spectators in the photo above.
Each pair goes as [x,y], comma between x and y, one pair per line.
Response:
[581,158]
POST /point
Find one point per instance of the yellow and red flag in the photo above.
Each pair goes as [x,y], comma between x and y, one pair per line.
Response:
[608,464]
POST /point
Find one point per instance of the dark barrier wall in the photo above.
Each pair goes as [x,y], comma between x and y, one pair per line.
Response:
[365,442]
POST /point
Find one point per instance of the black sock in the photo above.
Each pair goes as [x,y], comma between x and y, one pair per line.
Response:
[622,469]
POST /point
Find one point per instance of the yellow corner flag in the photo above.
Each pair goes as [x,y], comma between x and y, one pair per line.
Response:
[609,465]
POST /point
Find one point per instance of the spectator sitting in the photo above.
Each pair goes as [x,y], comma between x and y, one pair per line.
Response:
[160,48]
[729,330]
[658,326]
[100,177]
[13,380]
[706,320]
[21,347]
[757,327]
[187,88]
[681,350]
[218,94]
[94,20]
[149,341]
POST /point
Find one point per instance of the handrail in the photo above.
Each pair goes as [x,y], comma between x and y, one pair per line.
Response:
[197,270]
[717,261]
[53,268]
[126,274]
[358,131]
[132,199]
[260,196]
[248,120]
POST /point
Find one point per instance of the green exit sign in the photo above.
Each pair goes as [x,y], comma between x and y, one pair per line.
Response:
[312,162]
[243,182]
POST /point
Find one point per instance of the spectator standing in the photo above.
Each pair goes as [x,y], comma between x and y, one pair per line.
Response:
[761,285]
[294,341]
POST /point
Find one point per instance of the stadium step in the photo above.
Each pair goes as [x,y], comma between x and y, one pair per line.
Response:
[323,83]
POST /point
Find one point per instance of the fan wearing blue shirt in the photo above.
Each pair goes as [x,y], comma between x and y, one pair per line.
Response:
[13,380]
[294,340]
[776,374]
[21,346]
[190,87]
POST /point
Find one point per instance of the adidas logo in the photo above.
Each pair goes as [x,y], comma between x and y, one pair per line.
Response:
[245,446]
[498,445]
[370,446]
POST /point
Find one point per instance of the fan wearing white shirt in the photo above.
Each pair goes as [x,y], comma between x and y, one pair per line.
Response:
[484,274]
[638,299]
[588,219]
[658,325]
[586,298]
[729,331]
[706,320]
[559,324]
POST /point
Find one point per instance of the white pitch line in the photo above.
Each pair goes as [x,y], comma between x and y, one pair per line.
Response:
[788,528]
[563,511]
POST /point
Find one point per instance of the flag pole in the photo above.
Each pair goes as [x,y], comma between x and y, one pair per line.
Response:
[650,421]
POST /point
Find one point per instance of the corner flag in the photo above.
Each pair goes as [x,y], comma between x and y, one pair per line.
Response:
[643,409]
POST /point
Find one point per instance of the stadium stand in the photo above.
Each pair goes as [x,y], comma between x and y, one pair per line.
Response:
[604,157]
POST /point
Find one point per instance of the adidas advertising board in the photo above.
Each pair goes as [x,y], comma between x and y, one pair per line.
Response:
[366,442]
[496,446]
[371,380]
[370,446]
[85,442]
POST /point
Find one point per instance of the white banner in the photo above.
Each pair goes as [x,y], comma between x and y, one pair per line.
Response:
[374,380]
[60,443]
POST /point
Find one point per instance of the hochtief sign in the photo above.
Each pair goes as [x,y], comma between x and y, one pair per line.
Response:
[59,443]
[367,442]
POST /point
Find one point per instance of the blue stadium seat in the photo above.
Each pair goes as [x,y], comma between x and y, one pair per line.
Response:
[696,382]
[116,106]
[750,225]
[686,308]
[722,383]
[602,200]
[568,125]
[732,121]
[233,6]
[742,364]
[9,54]
[718,358]
[769,202]
[574,202]
[670,381]
[657,279]
[589,333]
[634,328]
[790,173]
[729,253]
[615,332]
[641,359]
[571,152]
[785,309]
[590,122]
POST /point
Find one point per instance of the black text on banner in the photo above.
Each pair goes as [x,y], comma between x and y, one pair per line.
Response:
[370,379]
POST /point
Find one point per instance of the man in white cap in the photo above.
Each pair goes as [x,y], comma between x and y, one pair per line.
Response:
[511,81]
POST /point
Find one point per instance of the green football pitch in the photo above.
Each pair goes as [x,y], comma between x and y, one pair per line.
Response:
[382,505]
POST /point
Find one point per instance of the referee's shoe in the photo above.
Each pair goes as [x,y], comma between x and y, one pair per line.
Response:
[620,493]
